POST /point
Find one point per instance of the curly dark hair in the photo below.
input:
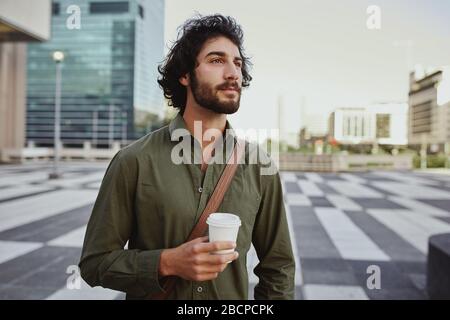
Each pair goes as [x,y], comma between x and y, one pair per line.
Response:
[182,56]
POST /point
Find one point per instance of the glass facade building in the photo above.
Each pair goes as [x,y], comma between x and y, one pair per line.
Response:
[109,90]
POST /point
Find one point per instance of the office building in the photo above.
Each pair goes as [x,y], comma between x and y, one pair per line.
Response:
[384,124]
[108,91]
[429,109]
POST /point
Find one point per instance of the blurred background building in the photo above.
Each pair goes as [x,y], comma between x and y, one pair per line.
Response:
[313,127]
[382,124]
[21,21]
[109,90]
[429,109]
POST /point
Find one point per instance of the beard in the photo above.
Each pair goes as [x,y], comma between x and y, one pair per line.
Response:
[207,96]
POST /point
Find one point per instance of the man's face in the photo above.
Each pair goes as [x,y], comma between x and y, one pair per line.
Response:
[216,82]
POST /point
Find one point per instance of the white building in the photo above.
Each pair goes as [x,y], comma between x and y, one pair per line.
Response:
[384,124]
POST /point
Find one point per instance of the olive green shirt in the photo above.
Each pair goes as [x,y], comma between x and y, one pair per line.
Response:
[152,203]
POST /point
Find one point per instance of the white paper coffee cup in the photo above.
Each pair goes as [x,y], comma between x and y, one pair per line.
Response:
[223,227]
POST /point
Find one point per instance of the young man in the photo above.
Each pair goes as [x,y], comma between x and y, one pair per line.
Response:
[153,203]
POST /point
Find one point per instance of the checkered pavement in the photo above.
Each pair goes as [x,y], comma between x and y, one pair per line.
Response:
[345,225]
[341,224]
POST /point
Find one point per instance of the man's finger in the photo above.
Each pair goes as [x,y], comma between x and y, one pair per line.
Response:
[215,246]
[211,268]
[216,259]
[207,276]
[222,258]
[199,240]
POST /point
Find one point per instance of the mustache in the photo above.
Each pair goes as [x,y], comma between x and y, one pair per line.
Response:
[233,85]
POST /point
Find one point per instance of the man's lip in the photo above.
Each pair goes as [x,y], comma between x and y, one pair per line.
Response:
[230,89]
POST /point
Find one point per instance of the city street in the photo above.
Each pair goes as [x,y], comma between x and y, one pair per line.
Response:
[344,227]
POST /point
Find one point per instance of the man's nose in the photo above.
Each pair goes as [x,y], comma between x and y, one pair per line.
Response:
[232,72]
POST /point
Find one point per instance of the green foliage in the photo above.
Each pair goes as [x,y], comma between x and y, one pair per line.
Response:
[433,161]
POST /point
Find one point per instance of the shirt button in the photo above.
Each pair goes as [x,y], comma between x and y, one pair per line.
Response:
[200,189]
[199,289]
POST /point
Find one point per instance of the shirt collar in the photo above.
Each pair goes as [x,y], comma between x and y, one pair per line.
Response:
[178,123]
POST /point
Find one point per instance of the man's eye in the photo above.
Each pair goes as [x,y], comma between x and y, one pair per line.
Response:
[216,61]
[239,65]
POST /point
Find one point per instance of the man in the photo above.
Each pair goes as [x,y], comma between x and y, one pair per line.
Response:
[153,203]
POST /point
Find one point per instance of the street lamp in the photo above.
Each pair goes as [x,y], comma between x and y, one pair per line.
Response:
[58,57]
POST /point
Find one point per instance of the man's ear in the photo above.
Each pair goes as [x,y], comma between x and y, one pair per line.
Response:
[184,80]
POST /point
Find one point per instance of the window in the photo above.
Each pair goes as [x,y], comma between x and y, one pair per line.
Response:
[108,7]
[349,127]
[141,12]
[363,122]
[421,115]
[55,9]
[383,126]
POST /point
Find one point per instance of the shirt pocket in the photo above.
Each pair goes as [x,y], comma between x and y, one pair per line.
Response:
[166,214]
[148,202]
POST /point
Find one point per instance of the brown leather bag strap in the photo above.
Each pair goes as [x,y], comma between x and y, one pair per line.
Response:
[213,204]
[219,191]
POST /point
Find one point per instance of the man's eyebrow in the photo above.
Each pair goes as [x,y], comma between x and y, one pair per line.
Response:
[220,54]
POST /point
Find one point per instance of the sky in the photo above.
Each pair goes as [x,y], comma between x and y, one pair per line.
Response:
[319,55]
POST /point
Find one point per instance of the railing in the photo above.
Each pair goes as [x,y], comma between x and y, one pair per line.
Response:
[335,163]
[34,153]
[287,161]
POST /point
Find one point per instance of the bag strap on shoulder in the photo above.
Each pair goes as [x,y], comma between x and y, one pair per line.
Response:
[213,204]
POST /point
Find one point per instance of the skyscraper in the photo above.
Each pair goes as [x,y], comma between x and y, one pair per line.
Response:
[109,89]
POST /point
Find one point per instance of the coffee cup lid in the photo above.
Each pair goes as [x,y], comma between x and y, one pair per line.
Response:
[223,220]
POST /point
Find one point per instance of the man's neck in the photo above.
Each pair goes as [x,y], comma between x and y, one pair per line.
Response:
[209,120]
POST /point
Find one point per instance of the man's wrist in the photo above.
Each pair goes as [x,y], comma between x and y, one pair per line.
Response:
[164,265]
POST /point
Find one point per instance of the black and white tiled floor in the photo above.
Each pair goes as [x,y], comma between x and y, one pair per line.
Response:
[344,224]
[341,224]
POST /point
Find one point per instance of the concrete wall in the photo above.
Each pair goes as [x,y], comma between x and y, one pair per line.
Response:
[20,21]
[12,95]
[29,18]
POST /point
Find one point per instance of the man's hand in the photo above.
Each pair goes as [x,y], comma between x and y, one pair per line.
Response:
[192,260]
